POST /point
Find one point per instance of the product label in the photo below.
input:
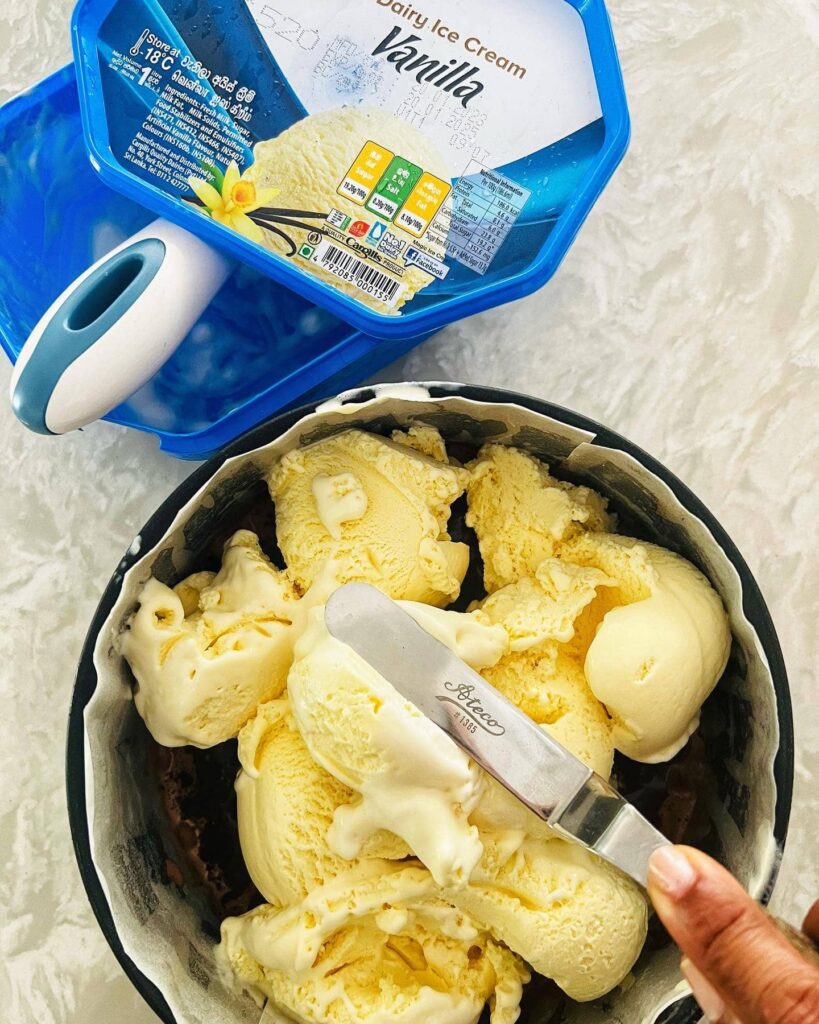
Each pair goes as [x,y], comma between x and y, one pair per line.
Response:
[339,220]
[391,245]
[422,204]
[485,205]
[193,118]
[394,188]
[346,266]
[372,143]
[364,175]
[426,262]
[481,83]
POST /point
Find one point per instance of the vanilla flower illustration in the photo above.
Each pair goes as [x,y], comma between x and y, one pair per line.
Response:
[237,198]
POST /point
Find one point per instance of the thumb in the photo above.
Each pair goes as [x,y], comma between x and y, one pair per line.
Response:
[752,970]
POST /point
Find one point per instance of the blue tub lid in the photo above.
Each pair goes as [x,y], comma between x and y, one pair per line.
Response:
[402,167]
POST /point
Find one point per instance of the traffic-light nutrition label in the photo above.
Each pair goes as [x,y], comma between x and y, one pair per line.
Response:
[470,229]
[394,188]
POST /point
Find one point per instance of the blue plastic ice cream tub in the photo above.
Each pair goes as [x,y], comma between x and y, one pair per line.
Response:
[399,167]
[256,349]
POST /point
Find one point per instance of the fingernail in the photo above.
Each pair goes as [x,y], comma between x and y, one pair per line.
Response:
[704,992]
[671,871]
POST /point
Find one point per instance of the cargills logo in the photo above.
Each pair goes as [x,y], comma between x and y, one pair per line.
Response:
[472,707]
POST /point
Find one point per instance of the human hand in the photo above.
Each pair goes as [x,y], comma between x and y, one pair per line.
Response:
[740,966]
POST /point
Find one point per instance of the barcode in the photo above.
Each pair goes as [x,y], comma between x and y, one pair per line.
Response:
[345,265]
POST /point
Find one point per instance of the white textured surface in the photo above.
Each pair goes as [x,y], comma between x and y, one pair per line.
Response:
[682,318]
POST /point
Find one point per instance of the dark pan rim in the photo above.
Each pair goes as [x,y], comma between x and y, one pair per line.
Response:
[754,608]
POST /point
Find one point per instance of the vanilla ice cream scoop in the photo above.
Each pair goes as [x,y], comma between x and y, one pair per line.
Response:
[505,821]
[287,801]
[574,918]
[656,657]
[423,438]
[285,807]
[411,778]
[552,690]
[377,946]
[545,605]
[378,507]
[478,642]
[540,673]
[206,653]
[522,514]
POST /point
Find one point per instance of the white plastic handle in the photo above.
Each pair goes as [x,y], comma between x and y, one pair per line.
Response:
[114,327]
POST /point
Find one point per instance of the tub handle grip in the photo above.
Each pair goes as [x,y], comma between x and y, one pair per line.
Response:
[114,327]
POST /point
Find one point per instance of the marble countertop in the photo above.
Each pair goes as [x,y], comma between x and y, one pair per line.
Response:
[684,317]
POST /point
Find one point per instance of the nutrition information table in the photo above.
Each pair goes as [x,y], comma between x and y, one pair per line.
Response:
[485,205]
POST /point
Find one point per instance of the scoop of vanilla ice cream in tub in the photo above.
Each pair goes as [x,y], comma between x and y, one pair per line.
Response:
[657,656]
[206,653]
[380,507]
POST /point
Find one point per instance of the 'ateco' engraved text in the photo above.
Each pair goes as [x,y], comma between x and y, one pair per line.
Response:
[472,706]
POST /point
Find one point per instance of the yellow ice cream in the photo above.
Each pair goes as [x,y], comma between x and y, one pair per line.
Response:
[379,508]
[572,917]
[404,885]
[522,515]
[308,162]
[655,658]
[651,633]
[377,946]
[503,821]
[208,652]
[286,803]
[411,778]
[545,605]
[478,642]
[552,690]
[424,439]
[539,674]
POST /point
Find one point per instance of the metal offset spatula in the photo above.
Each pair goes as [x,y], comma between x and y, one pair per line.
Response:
[539,771]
